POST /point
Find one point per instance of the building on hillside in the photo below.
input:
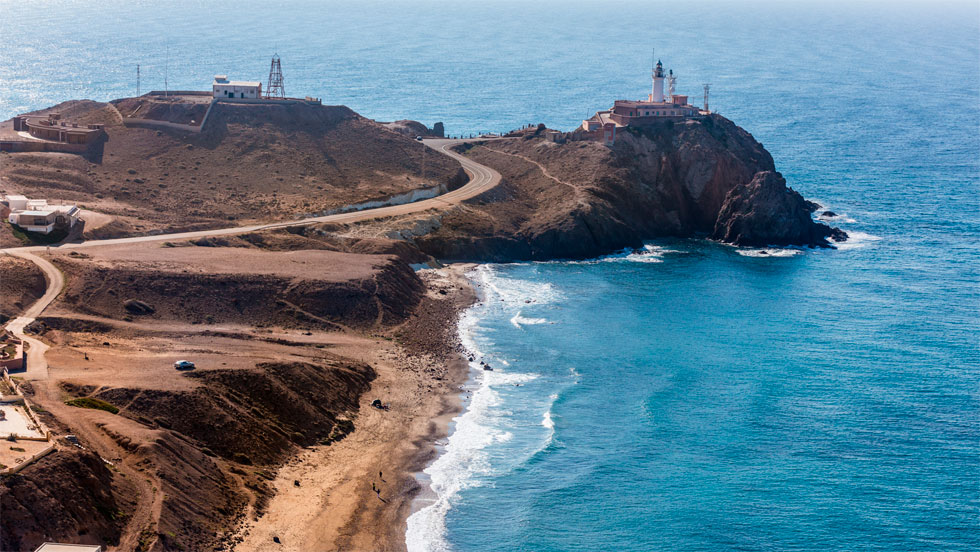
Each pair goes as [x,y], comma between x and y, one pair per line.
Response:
[224,88]
[51,127]
[59,547]
[656,107]
[36,215]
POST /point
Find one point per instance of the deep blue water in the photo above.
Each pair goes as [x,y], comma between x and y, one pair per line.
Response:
[696,397]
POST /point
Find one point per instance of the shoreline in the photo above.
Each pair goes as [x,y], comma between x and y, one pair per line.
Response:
[325,496]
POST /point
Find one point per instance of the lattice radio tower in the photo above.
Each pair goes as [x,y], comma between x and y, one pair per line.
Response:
[707,87]
[275,88]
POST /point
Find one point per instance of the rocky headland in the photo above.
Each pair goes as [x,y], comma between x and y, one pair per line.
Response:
[697,178]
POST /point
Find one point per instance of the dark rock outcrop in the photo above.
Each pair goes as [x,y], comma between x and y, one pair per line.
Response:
[414,128]
[764,211]
[135,306]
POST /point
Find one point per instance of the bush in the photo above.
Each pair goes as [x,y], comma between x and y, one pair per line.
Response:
[89,402]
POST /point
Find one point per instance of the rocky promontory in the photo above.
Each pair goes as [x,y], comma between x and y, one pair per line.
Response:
[764,211]
[702,177]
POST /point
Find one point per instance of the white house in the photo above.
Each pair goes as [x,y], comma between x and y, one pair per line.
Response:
[224,88]
[36,215]
[59,547]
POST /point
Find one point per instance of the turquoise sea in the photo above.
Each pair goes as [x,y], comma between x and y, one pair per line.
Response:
[690,396]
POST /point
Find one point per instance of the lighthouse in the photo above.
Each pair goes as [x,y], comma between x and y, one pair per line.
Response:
[658,83]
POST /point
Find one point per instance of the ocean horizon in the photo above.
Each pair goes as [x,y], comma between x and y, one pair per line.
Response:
[688,395]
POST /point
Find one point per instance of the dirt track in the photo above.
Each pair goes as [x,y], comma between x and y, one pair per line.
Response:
[482,178]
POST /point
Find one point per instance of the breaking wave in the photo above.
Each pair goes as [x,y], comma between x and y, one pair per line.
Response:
[519,321]
[769,252]
[856,240]
[465,461]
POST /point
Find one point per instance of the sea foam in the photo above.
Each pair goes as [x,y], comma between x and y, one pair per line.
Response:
[769,252]
[519,321]
[464,461]
[856,240]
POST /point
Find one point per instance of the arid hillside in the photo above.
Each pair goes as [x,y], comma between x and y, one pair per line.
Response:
[315,288]
[293,334]
[252,162]
[21,283]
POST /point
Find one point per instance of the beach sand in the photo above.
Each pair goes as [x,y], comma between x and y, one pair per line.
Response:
[325,497]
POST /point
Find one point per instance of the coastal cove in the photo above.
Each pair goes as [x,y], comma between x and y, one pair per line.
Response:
[719,425]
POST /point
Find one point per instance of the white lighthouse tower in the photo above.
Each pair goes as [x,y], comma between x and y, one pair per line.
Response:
[658,83]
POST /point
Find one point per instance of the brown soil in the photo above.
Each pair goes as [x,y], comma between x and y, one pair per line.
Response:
[334,507]
[21,283]
[315,288]
[252,162]
[53,498]
[207,459]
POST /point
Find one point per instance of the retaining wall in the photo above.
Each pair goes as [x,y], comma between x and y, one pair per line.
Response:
[128,121]
[37,455]
[33,146]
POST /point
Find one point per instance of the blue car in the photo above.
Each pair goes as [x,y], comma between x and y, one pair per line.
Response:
[184,365]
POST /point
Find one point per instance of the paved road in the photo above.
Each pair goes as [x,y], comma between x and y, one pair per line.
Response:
[482,178]
[37,366]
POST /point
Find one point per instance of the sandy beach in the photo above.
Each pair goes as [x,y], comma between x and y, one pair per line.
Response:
[357,494]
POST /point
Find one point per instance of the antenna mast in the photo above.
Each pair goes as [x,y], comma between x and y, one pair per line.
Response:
[707,87]
[166,67]
[138,80]
[275,88]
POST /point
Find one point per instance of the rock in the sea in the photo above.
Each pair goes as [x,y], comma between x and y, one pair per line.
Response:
[765,211]
[828,214]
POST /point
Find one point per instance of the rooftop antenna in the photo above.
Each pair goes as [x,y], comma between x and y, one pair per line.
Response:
[138,80]
[707,87]
[275,88]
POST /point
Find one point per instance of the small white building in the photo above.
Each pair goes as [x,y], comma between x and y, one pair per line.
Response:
[59,547]
[224,88]
[36,215]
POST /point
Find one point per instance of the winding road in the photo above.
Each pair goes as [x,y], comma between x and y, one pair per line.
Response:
[482,178]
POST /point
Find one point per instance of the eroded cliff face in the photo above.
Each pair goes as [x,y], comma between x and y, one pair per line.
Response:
[688,178]
[67,495]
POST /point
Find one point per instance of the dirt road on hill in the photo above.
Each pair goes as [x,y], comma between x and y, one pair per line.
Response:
[482,178]
[37,366]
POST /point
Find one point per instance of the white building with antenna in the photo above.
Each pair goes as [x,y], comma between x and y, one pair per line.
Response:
[224,88]
[657,106]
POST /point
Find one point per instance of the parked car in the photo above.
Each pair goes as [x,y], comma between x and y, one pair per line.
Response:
[184,365]
[419,138]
